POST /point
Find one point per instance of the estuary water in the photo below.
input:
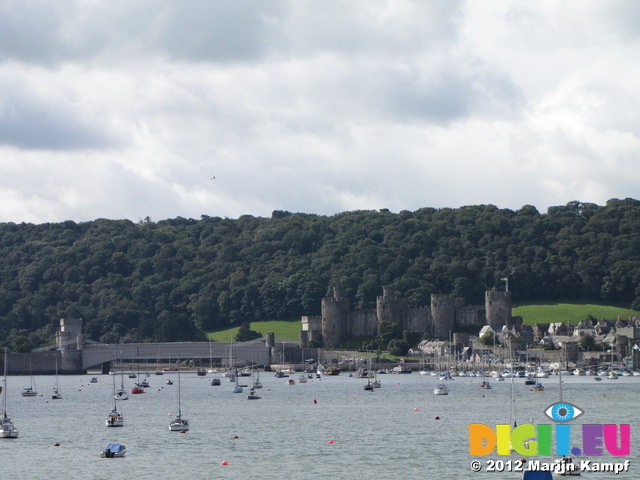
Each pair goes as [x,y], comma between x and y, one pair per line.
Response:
[350,433]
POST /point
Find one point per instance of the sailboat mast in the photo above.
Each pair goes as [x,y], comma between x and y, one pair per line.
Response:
[4,390]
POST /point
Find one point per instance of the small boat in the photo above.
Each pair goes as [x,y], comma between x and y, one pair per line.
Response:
[537,475]
[30,391]
[7,429]
[114,419]
[530,380]
[169,381]
[369,386]
[237,389]
[56,395]
[564,466]
[302,379]
[256,381]
[291,381]
[538,388]
[441,390]
[245,372]
[179,424]
[144,384]
[612,375]
[94,380]
[137,389]
[597,379]
[121,394]
[201,372]
[215,381]
[486,385]
[114,450]
[252,395]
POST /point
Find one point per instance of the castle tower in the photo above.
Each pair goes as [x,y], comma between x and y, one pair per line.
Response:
[443,313]
[335,313]
[390,308]
[67,336]
[497,306]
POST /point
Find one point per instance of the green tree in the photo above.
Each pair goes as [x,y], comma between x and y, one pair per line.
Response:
[398,347]
[245,333]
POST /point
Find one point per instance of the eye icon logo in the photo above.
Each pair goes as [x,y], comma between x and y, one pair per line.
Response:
[563,412]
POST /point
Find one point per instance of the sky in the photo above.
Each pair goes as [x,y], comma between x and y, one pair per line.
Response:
[165,109]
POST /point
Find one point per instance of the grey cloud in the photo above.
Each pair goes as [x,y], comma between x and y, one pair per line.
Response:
[30,125]
[448,96]
[64,31]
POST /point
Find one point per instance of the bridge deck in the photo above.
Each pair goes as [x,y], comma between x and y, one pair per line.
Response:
[97,354]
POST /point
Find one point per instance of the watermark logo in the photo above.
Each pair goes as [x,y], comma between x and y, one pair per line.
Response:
[532,440]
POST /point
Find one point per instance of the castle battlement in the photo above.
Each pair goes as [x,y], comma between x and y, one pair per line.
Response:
[445,314]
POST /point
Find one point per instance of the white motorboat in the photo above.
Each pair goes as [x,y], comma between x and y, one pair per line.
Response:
[114,450]
[441,390]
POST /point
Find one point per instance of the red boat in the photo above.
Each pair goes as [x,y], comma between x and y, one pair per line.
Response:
[137,389]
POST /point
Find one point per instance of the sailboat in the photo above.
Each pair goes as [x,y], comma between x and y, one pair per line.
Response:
[484,384]
[114,419]
[256,379]
[169,381]
[121,393]
[179,424]
[8,428]
[56,395]
[30,391]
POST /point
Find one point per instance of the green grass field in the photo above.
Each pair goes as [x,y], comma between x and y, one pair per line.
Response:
[289,330]
[535,312]
[284,330]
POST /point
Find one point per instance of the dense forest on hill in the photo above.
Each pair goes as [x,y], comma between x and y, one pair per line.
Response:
[171,280]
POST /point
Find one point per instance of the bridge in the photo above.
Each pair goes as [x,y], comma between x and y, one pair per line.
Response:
[73,354]
[96,355]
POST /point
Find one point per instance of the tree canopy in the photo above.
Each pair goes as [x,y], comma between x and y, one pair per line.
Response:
[174,279]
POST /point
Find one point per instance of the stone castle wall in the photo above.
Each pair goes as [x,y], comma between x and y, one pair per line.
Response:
[445,314]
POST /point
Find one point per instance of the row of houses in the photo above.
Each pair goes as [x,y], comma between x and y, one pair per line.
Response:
[619,336]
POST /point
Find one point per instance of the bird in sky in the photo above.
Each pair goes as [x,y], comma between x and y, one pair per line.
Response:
[213,177]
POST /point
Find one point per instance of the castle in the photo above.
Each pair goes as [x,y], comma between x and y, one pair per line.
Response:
[445,314]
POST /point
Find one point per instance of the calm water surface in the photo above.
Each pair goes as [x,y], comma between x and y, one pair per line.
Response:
[390,433]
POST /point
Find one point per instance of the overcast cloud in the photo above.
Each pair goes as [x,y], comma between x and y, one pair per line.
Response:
[127,109]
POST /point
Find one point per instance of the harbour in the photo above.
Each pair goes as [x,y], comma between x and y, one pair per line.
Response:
[328,427]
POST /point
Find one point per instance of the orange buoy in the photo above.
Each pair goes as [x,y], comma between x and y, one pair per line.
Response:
[235,436]
[224,462]
[56,444]
[315,401]
[330,441]
[416,410]
[436,417]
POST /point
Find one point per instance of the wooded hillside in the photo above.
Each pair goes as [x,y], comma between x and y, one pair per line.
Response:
[173,279]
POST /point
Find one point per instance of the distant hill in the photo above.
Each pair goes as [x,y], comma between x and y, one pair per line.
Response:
[175,279]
